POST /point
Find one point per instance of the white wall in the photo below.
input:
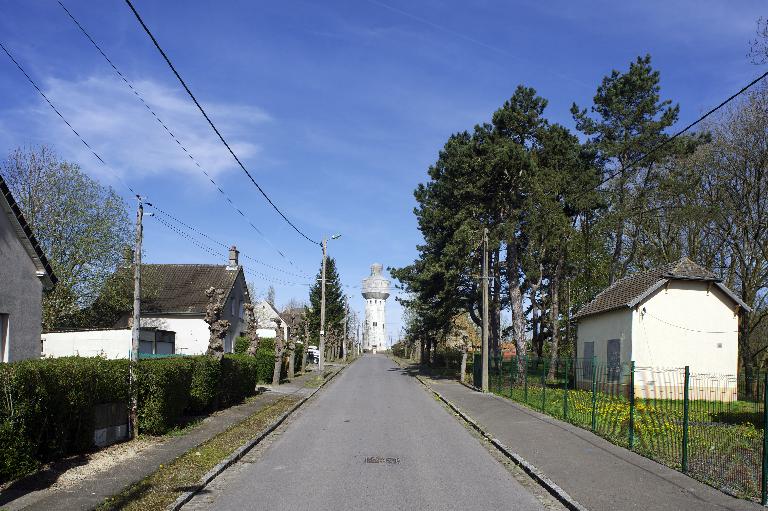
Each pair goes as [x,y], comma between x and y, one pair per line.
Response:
[600,328]
[111,344]
[192,333]
[686,325]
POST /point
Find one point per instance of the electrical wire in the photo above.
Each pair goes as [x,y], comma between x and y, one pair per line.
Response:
[53,107]
[103,162]
[171,134]
[667,141]
[213,126]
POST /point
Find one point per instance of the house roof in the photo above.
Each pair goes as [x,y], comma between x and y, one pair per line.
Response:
[633,289]
[180,288]
[9,206]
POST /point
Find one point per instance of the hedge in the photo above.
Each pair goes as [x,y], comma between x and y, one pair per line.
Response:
[46,411]
[47,408]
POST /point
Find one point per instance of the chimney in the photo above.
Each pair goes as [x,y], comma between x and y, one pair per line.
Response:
[233,257]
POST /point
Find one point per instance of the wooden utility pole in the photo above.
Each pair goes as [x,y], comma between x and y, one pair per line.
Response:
[321,348]
[344,337]
[136,326]
[278,352]
[306,344]
[485,312]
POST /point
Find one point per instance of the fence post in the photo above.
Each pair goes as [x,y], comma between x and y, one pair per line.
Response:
[594,393]
[764,475]
[632,404]
[544,384]
[513,369]
[500,387]
[565,391]
[686,411]
[525,379]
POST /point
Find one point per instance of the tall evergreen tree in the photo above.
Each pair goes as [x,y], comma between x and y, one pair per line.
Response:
[334,304]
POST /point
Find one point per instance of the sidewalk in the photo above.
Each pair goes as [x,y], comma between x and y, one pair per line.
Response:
[35,492]
[597,474]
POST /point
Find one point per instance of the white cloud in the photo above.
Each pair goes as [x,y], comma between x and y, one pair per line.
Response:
[120,128]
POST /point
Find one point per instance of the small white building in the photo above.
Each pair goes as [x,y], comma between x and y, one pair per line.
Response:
[175,301]
[267,314]
[666,318]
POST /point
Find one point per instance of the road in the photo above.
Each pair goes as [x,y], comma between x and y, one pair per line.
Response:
[375,439]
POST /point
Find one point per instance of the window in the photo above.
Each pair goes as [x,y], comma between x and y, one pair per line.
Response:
[374,323]
[232,307]
[589,353]
[613,355]
[4,337]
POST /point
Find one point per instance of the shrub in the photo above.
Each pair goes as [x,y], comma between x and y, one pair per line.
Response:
[238,379]
[163,392]
[204,387]
[265,361]
[298,357]
[48,407]
[241,345]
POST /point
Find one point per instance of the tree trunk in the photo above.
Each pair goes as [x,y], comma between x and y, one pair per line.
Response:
[516,303]
[555,318]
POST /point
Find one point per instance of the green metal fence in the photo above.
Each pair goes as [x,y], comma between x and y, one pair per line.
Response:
[709,426]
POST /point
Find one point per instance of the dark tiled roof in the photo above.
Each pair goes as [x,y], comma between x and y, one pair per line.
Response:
[631,289]
[181,287]
[24,233]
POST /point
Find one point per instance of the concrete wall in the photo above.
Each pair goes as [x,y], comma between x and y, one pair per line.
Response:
[21,293]
[111,344]
[686,325]
[600,328]
[191,331]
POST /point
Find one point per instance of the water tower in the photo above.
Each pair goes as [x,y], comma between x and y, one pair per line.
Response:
[375,292]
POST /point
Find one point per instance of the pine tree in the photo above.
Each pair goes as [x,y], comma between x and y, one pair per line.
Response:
[334,303]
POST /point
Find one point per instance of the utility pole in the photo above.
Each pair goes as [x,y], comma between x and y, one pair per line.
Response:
[136,327]
[485,312]
[321,348]
[344,338]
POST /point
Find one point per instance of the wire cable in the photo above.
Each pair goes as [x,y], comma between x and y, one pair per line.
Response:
[210,122]
[667,141]
[171,134]
[53,107]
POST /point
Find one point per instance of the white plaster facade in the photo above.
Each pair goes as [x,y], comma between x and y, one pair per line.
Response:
[684,323]
[111,344]
[375,292]
[266,315]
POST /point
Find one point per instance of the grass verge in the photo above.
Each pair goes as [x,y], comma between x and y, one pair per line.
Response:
[156,491]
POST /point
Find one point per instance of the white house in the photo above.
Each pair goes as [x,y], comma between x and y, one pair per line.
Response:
[669,317]
[266,314]
[176,301]
[24,273]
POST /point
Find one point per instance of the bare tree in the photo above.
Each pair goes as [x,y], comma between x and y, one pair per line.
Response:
[253,329]
[218,327]
[278,351]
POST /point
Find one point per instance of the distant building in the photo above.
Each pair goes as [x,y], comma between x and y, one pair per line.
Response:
[375,292]
[24,274]
[178,301]
[669,317]
[267,314]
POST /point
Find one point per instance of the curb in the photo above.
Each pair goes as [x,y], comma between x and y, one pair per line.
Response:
[243,450]
[528,467]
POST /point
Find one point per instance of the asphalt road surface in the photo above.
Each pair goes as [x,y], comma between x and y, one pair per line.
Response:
[373,439]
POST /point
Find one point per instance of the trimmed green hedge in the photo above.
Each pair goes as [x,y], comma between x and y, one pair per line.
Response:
[46,409]
[241,345]
[163,391]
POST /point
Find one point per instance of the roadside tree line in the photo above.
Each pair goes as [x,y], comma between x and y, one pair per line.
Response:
[569,214]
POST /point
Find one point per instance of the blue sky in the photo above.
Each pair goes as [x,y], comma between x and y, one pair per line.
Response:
[337,108]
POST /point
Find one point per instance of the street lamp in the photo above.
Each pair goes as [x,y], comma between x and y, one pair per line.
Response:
[321,348]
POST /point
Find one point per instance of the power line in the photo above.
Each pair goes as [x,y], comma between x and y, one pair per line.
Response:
[53,107]
[676,135]
[219,255]
[217,242]
[103,162]
[171,134]
[210,122]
